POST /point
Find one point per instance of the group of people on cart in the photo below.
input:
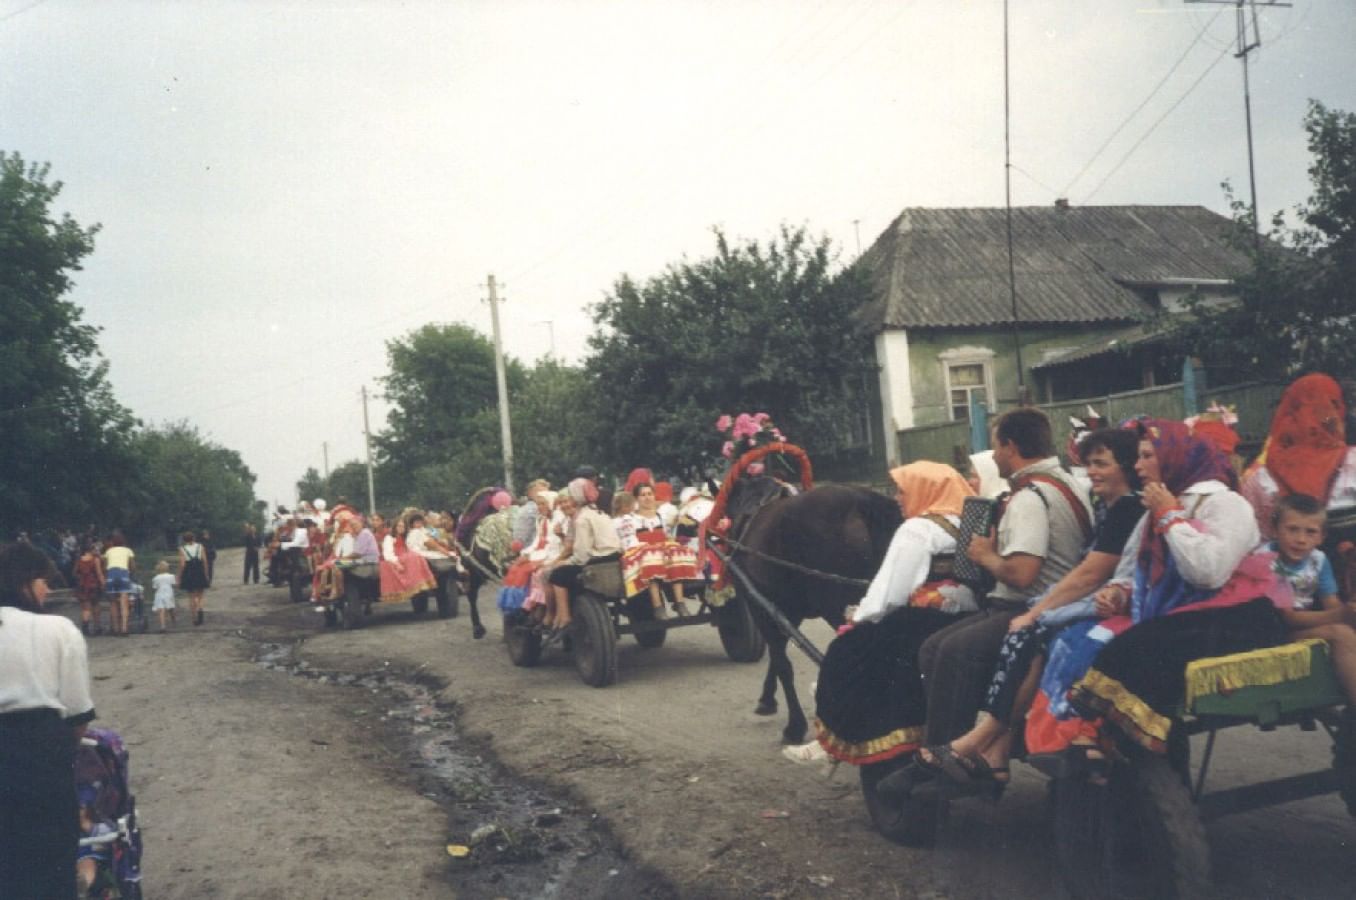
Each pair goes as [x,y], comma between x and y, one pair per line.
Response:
[1088,609]
[652,540]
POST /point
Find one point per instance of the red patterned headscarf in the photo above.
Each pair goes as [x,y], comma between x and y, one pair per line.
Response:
[637,478]
[1308,437]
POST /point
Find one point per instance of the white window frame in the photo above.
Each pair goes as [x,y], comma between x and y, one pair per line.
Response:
[967,356]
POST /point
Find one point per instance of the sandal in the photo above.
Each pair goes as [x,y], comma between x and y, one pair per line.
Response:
[968,775]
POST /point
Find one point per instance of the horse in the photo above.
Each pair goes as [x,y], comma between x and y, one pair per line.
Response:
[834,529]
[485,558]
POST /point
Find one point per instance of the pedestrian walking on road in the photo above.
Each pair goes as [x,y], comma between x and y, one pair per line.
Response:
[251,542]
[163,582]
[119,564]
[88,575]
[44,708]
[193,574]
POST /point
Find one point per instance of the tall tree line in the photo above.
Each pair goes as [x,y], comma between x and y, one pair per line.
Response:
[72,455]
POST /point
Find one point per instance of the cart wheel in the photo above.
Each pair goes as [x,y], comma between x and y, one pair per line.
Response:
[595,641]
[351,611]
[1079,808]
[449,598]
[523,643]
[739,633]
[331,617]
[638,609]
[1139,836]
[420,604]
[1344,758]
[912,822]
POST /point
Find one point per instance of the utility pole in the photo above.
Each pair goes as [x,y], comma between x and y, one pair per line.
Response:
[505,432]
[857,229]
[1023,397]
[367,443]
[325,452]
[1247,44]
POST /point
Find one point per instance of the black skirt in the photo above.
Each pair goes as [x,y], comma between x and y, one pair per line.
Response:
[194,577]
[870,704]
[39,820]
[1139,680]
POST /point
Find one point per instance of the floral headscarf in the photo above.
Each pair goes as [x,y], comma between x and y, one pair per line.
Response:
[1184,459]
[1308,437]
[931,488]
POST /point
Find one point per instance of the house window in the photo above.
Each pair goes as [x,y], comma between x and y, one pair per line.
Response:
[969,377]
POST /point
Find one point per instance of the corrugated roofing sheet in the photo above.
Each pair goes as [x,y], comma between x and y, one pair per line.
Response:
[949,267]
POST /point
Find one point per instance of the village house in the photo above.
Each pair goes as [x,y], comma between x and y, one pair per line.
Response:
[1089,282]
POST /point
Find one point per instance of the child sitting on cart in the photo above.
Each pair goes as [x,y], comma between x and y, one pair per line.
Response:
[1300,523]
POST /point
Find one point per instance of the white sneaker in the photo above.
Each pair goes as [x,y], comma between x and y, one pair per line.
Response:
[805,753]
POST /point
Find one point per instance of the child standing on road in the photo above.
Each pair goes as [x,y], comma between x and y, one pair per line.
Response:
[163,582]
[1300,522]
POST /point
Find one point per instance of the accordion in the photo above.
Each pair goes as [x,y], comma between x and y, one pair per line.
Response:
[977,517]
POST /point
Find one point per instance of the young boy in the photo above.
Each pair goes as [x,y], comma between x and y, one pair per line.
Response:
[1300,522]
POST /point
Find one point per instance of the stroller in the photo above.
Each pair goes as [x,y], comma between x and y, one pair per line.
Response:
[109,861]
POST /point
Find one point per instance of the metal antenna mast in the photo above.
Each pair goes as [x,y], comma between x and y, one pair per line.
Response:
[1246,44]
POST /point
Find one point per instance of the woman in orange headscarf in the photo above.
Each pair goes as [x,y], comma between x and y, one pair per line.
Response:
[869,700]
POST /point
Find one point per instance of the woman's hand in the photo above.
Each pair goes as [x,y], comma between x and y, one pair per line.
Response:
[1022,622]
[1111,601]
[1158,499]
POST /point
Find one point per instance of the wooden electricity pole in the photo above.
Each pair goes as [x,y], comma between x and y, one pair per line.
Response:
[367,442]
[505,432]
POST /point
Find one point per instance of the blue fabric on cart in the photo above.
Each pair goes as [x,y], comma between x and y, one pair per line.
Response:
[511,599]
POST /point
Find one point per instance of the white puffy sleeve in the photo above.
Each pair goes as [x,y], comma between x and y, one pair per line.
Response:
[904,569]
[1209,545]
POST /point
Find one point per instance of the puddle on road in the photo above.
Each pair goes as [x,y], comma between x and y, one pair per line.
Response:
[521,841]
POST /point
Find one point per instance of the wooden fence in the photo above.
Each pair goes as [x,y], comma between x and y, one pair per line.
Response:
[1253,401]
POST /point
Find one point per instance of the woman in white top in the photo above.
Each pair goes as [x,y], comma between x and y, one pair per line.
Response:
[44,707]
[869,700]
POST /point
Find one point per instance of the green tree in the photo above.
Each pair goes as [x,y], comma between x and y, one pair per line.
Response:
[63,436]
[441,379]
[551,437]
[756,327]
[349,481]
[189,483]
[312,485]
[1297,305]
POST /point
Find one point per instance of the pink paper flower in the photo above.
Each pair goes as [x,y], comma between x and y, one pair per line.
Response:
[724,423]
[728,450]
[761,418]
[745,426]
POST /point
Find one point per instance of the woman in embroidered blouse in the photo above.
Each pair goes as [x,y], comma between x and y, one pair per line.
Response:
[1181,578]
[404,573]
[650,558]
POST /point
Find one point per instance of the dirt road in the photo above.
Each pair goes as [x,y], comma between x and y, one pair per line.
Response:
[275,758]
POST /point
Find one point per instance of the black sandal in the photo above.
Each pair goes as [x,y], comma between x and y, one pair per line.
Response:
[967,775]
[1090,763]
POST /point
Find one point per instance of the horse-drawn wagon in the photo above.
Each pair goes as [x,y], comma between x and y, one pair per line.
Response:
[1142,832]
[602,614]
[361,592]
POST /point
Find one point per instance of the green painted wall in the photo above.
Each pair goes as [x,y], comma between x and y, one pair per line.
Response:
[928,375]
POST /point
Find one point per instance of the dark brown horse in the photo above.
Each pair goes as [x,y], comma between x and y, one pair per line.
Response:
[835,529]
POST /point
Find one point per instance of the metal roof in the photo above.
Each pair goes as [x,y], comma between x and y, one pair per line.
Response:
[948,268]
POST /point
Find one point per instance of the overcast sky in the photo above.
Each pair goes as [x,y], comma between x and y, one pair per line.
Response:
[285,186]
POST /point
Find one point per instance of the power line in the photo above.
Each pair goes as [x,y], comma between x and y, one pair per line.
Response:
[1159,121]
[21,10]
[1143,103]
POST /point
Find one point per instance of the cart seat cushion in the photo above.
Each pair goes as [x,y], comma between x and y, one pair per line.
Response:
[1253,668]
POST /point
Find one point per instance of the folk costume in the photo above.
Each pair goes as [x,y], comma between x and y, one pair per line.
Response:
[870,703]
[1194,592]
[404,573]
[649,555]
